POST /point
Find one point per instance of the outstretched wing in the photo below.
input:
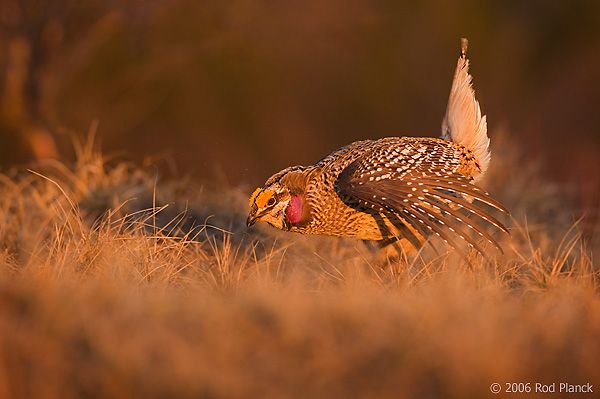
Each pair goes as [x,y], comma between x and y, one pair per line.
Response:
[421,182]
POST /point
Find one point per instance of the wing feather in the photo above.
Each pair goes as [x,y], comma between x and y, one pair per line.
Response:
[426,197]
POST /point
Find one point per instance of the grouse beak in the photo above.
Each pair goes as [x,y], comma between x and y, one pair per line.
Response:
[251,220]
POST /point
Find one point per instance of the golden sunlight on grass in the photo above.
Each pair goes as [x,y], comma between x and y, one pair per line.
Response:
[115,285]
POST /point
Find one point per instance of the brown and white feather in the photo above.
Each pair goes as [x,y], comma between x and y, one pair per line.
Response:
[463,122]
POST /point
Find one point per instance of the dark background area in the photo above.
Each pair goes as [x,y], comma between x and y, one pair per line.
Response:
[240,88]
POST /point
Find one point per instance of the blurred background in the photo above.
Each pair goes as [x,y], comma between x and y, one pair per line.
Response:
[238,89]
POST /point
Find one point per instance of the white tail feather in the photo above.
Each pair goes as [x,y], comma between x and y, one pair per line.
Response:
[463,123]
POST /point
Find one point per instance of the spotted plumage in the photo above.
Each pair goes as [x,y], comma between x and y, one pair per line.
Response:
[393,188]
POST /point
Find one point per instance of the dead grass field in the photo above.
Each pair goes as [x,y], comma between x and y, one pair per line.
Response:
[115,285]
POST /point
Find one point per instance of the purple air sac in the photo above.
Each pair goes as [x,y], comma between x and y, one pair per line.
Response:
[294,211]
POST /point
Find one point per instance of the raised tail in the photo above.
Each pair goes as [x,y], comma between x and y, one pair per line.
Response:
[463,123]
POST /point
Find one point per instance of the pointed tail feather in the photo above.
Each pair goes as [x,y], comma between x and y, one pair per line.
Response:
[463,123]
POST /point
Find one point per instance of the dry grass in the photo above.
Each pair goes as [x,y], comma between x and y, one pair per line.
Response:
[115,285]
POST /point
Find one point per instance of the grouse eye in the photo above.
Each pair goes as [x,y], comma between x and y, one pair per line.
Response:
[271,201]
